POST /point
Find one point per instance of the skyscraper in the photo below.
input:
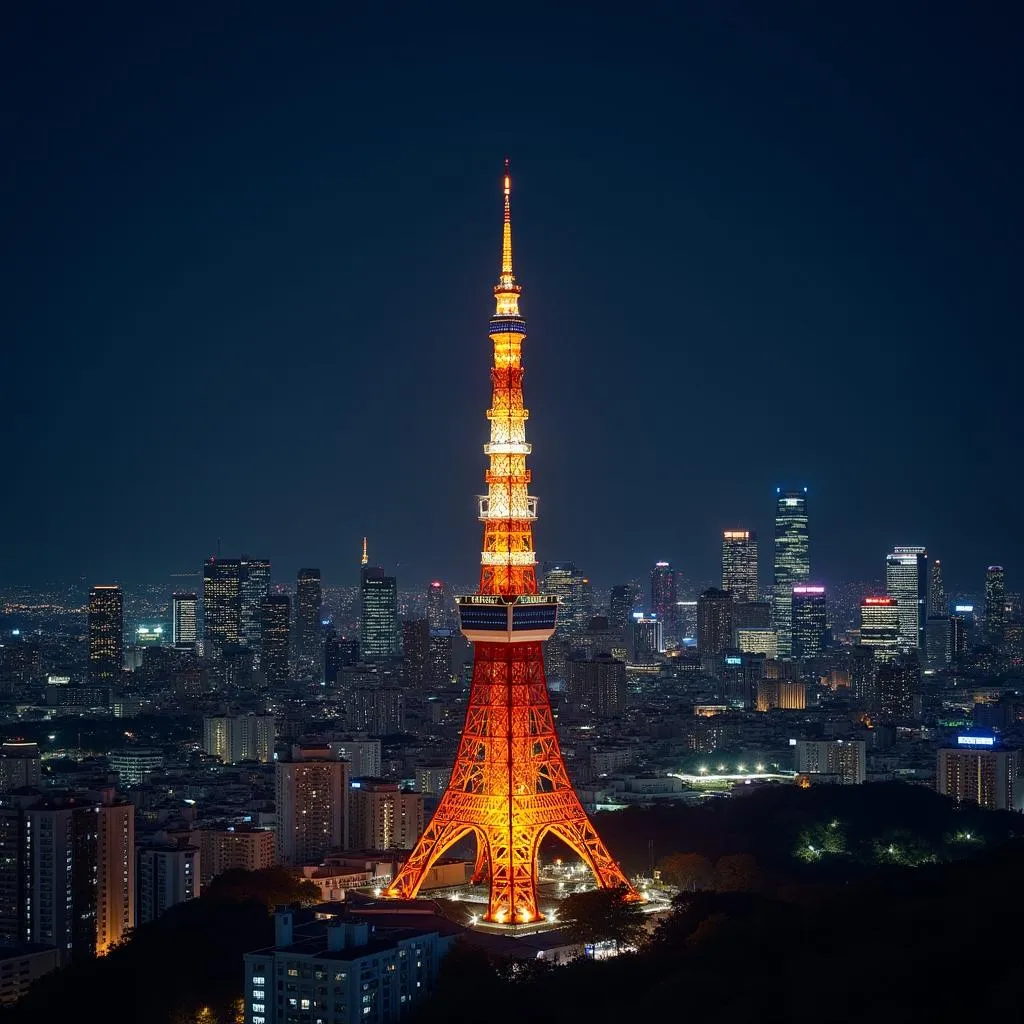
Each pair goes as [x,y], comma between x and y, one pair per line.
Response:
[275,623]
[222,605]
[880,627]
[906,579]
[623,602]
[648,639]
[739,564]
[308,605]
[936,592]
[995,605]
[184,621]
[810,620]
[254,586]
[714,622]
[565,581]
[106,634]
[415,651]
[378,622]
[383,816]
[439,606]
[663,600]
[792,560]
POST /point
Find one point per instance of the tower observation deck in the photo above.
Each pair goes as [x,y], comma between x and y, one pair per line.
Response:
[509,786]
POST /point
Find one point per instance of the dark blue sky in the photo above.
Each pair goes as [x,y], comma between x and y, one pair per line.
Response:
[249,252]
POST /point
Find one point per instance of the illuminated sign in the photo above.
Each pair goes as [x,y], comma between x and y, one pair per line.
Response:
[804,589]
[732,660]
[886,601]
[976,741]
[961,608]
[736,535]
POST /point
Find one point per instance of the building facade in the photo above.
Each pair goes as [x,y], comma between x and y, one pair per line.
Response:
[308,608]
[810,620]
[275,638]
[739,564]
[184,621]
[383,816]
[978,770]
[311,791]
[906,580]
[792,560]
[841,761]
[106,634]
[880,627]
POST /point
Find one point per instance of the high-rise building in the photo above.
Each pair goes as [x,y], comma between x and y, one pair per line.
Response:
[995,605]
[106,634]
[253,588]
[843,761]
[648,639]
[598,685]
[235,738]
[76,873]
[880,627]
[311,790]
[899,686]
[133,765]
[810,620]
[415,651]
[739,564]
[714,622]
[792,560]
[168,873]
[937,646]
[308,606]
[757,640]
[979,770]
[663,600]
[863,678]
[235,846]
[378,637]
[20,766]
[363,755]
[906,579]
[440,608]
[184,621]
[377,709]
[564,581]
[383,816]
[275,639]
[959,638]
[936,592]
[222,605]
[439,657]
[623,604]
[339,651]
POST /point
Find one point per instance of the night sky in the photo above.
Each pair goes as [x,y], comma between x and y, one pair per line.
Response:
[249,252]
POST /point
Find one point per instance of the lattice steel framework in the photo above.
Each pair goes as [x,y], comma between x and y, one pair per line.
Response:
[509,786]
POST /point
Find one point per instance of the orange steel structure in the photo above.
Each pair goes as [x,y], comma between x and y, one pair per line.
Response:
[509,786]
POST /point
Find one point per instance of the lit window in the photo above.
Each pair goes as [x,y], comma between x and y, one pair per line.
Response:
[258,1008]
[258,993]
[305,1004]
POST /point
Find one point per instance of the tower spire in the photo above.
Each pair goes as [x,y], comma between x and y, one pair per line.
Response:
[506,291]
[366,558]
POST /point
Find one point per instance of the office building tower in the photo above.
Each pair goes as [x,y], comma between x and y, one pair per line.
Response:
[995,605]
[840,761]
[106,634]
[863,678]
[597,685]
[254,586]
[937,642]
[235,738]
[378,710]
[906,579]
[979,770]
[275,641]
[564,581]
[184,621]
[757,640]
[383,816]
[378,638]
[363,755]
[739,564]
[339,652]
[663,600]
[959,639]
[222,605]
[168,873]
[373,979]
[311,790]
[415,652]
[232,847]
[810,620]
[648,641]
[20,766]
[792,560]
[936,591]
[880,627]
[623,604]
[899,687]
[601,638]
[439,657]
[714,622]
[782,694]
[308,606]
[134,765]
[440,606]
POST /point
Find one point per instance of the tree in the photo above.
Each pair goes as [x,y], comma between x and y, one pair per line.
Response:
[687,871]
[273,887]
[603,914]
[736,872]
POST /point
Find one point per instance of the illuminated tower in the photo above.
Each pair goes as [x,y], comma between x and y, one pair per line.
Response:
[509,786]
[792,560]
[106,633]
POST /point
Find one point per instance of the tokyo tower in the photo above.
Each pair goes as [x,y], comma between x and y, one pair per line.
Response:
[509,786]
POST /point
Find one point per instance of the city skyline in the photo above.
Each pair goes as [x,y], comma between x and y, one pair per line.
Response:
[800,269]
